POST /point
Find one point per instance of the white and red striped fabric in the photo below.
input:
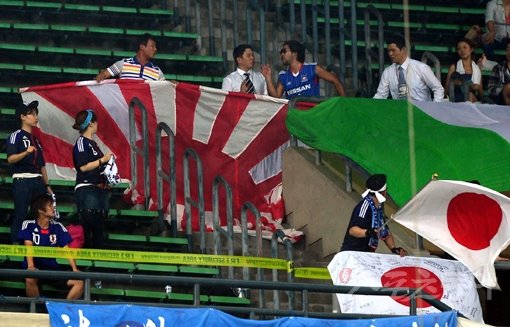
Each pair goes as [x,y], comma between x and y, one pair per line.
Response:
[238,136]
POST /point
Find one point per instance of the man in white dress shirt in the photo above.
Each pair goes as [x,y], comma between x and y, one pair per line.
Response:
[244,79]
[407,78]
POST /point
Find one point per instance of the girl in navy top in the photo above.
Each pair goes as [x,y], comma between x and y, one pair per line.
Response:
[26,160]
[91,190]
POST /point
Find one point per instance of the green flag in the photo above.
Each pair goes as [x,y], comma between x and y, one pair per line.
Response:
[412,141]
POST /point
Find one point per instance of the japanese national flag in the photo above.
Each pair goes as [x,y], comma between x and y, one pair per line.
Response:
[469,221]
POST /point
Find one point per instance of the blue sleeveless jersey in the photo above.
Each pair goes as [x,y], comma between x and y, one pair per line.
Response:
[306,83]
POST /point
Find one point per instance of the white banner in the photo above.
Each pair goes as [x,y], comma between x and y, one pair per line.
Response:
[447,280]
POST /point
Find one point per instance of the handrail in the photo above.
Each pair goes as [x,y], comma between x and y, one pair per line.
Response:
[136,151]
[370,9]
[427,55]
[170,178]
[305,288]
[248,206]
[189,202]
[253,5]
[217,229]
[279,234]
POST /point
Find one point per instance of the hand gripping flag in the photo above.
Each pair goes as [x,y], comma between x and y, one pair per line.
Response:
[469,221]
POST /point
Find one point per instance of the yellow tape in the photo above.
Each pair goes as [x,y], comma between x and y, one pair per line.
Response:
[147,257]
[312,273]
[163,258]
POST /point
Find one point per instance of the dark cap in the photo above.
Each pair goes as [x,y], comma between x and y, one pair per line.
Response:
[25,108]
[376,182]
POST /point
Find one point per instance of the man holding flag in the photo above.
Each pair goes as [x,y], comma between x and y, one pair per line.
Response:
[367,226]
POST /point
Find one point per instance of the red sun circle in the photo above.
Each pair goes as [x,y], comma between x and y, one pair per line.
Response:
[413,277]
[473,219]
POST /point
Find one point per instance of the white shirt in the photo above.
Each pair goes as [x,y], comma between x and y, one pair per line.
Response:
[495,12]
[420,81]
[232,82]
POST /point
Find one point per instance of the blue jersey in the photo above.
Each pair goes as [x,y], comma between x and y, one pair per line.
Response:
[306,83]
[361,216]
[55,235]
[85,151]
[18,142]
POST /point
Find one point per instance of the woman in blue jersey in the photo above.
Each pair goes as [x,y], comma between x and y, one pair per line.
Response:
[26,159]
[44,231]
[91,190]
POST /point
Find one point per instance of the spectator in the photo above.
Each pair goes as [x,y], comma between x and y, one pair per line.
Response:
[498,86]
[91,190]
[366,226]
[244,79]
[465,75]
[300,78]
[26,159]
[497,21]
[138,67]
[44,231]
[407,78]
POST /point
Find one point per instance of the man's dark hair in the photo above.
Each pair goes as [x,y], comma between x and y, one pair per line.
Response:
[398,40]
[239,50]
[297,47]
[143,39]
[39,202]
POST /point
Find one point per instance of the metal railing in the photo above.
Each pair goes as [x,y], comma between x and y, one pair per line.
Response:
[219,231]
[369,53]
[426,56]
[137,151]
[162,177]
[290,257]
[189,202]
[196,284]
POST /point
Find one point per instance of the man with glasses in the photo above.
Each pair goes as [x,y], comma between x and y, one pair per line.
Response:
[300,78]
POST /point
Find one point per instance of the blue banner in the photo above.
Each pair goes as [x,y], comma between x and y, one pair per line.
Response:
[124,315]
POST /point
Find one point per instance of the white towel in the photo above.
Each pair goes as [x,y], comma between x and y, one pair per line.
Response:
[476,77]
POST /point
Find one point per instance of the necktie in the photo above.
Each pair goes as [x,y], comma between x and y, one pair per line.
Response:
[249,84]
[402,85]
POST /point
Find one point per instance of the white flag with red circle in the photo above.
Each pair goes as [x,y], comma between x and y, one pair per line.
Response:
[469,221]
[448,281]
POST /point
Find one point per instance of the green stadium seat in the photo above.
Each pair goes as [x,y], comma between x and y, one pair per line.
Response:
[38,27]
[105,291]
[124,10]
[137,213]
[156,268]
[127,237]
[204,58]
[147,295]
[82,7]
[55,49]
[168,240]
[114,265]
[230,300]
[7,111]
[68,28]
[192,270]
[156,11]
[43,4]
